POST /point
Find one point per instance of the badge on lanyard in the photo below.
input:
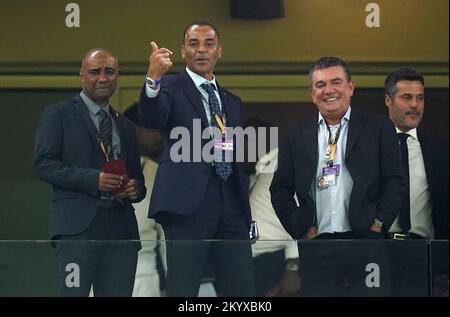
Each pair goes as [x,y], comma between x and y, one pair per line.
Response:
[225,143]
[330,172]
[325,181]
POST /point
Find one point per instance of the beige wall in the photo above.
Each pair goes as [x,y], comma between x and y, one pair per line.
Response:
[263,60]
[411,30]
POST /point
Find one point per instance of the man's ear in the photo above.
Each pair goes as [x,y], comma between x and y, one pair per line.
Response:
[311,92]
[388,101]
[183,53]
[352,86]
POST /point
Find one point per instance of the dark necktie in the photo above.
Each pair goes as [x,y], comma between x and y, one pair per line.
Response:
[105,131]
[223,169]
[404,215]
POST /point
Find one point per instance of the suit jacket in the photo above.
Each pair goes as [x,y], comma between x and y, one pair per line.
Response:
[67,156]
[372,158]
[435,156]
[180,186]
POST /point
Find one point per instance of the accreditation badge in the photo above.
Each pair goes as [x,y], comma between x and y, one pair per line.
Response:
[225,144]
[329,176]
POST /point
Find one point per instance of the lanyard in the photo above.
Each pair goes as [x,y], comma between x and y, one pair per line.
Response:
[219,122]
[332,144]
[102,146]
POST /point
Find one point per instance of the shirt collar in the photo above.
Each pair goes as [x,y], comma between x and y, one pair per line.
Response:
[344,119]
[412,132]
[91,105]
[199,80]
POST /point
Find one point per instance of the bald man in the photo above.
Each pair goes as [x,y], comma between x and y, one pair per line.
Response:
[74,140]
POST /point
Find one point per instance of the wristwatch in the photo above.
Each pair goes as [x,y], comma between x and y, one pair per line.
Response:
[152,83]
[378,223]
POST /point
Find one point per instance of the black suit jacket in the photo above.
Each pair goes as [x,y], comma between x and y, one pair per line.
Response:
[67,156]
[372,158]
[435,156]
[180,186]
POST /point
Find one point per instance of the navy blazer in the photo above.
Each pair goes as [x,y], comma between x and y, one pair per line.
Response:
[435,157]
[180,186]
[67,156]
[372,158]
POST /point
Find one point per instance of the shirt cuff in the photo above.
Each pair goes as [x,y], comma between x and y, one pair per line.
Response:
[291,250]
[151,93]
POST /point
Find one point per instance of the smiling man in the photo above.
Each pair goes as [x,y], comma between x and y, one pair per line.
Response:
[197,200]
[345,169]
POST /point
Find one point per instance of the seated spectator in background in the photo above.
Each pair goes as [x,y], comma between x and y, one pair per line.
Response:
[150,272]
[275,255]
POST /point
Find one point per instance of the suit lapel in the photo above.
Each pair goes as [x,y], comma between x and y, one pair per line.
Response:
[354,130]
[194,98]
[310,139]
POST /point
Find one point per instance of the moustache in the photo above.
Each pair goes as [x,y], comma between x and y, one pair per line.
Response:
[413,113]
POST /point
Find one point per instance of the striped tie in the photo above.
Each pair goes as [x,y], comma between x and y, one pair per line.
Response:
[105,131]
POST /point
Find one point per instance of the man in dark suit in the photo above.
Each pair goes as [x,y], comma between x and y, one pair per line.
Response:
[194,198]
[73,140]
[345,170]
[427,210]
[424,210]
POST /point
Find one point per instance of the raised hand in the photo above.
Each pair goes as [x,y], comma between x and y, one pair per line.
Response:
[159,61]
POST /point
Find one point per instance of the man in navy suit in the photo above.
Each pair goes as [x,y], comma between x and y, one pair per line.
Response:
[196,199]
[344,168]
[73,140]
[424,210]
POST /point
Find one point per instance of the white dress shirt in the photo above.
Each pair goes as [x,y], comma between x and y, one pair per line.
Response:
[332,203]
[272,236]
[419,192]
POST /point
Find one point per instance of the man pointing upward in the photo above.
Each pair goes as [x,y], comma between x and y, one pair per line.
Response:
[197,200]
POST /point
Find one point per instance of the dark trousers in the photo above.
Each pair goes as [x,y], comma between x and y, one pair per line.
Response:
[109,267]
[218,217]
[341,268]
